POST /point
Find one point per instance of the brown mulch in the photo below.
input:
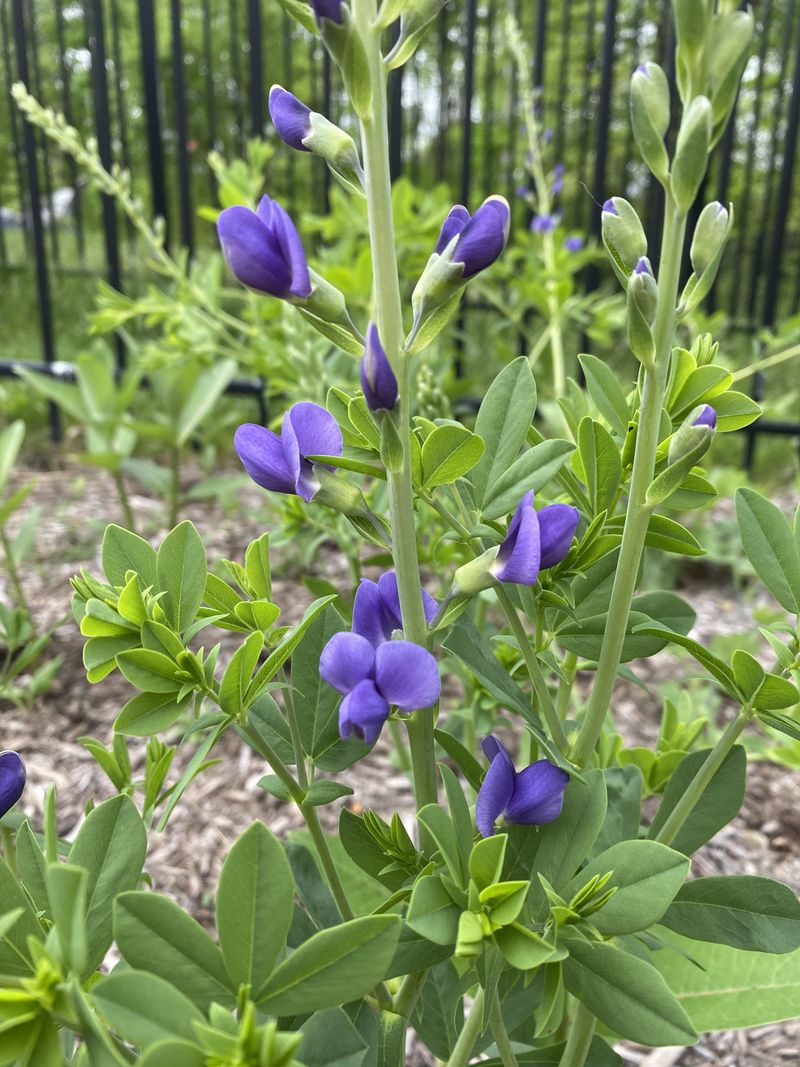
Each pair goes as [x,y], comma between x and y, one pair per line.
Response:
[184,860]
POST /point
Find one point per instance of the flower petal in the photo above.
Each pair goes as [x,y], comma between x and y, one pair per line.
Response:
[12,780]
[538,794]
[456,220]
[407,675]
[251,251]
[292,250]
[262,456]
[484,237]
[496,790]
[378,380]
[370,618]
[290,117]
[347,660]
[387,583]
[557,526]
[363,713]
[519,557]
[308,430]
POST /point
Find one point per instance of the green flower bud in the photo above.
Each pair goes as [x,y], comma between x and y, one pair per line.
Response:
[344,43]
[623,236]
[691,153]
[338,149]
[326,310]
[475,576]
[642,303]
[688,445]
[650,110]
[708,244]
[415,17]
[704,349]
[733,36]
[336,493]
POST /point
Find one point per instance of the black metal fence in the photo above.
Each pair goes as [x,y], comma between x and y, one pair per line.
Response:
[160,85]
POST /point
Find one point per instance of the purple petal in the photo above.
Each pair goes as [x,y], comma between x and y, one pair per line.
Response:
[363,713]
[455,222]
[290,117]
[543,223]
[377,377]
[519,557]
[262,456]
[12,780]
[327,9]
[484,237]
[252,253]
[308,430]
[407,675]
[387,583]
[288,241]
[538,794]
[496,789]
[610,206]
[707,417]
[370,616]
[557,526]
[573,244]
[346,661]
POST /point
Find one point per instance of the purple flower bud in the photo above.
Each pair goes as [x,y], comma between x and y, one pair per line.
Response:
[377,377]
[642,69]
[279,463]
[543,223]
[522,192]
[535,541]
[559,170]
[610,207]
[264,250]
[573,244]
[481,238]
[531,797]
[707,417]
[376,609]
[643,267]
[372,679]
[327,9]
[557,526]
[456,220]
[557,186]
[547,135]
[12,780]
[290,117]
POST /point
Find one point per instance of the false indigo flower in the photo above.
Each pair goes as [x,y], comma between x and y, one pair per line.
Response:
[707,417]
[327,9]
[543,223]
[480,237]
[372,679]
[377,377]
[535,541]
[279,463]
[523,192]
[610,207]
[376,609]
[264,250]
[573,244]
[531,797]
[12,780]
[290,117]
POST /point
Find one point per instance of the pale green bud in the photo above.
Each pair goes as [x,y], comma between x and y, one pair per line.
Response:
[642,304]
[475,576]
[623,236]
[338,149]
[650,110]
[710,236]
[733,37]
[692,21]
[338,494]
[344,43]
[691,153]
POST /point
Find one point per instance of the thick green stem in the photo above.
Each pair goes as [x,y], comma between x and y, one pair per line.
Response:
[538,680]
[638,514]
[375,147]
[581,1032]
[174,486]
[500,1034]
[462,1053]
[712,763]
[566,684]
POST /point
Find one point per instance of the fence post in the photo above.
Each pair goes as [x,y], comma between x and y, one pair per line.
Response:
[181,128]
[257,88]
[155,147]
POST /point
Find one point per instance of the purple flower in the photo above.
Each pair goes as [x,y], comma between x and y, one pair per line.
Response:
[543,223]
[264,250]
[376,609]
[531,797]
[377,377]
[522,192]
[372,679]
[327,9]
[279,463]
[480,237]
[573,244]
[535,541]
[610,207]
[707,417]
[290,117]
[547,135]
[12,780]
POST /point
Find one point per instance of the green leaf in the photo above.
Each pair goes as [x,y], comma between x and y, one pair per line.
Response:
[432,912]
[324,791]
[718,805]
[486,860]
[181,575]
[255,904]
[365,852]
[150,713]
[333,967]
[769,544]
[533,470]
[450,844]
[742,911]
[285,648]
[624,788]
[111,845]
[206,391]
[238,675]
[144,1008]
[10,443]
[173,1054]
[606,394]
[734,411]
[782,723]
[448,453]
[31,866]
[712,664]
[66,889]
[503,420]
[626,994]
[724,988]
[331,1040]
[151,671]
[462,758]
[646,876]
[775,693]
[601,463]
[125,551]
[439,1015]
[155,935]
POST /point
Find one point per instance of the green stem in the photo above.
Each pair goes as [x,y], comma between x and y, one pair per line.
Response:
[8,848]
[13,573]
[500,1034]
[174,486]
[391,1044]
[462,1053]
[389,314]
[566,684]
[712,763]
[581,1032]
[409,992]
[400,746]
[297,741]
[124,500]
[540,689]
[638,514]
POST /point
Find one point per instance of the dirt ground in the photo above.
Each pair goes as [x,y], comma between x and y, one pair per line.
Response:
[184,860]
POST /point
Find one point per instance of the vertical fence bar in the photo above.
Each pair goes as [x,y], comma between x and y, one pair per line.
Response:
[395,105]
[469,89]
[208,81]
[155,145]
[489,145]
[181,129]
[441,133]
[254,32]
[119,99]
[603,123]
[513,123]
[66,107]
[288,68]
[236,72]
[586,104]
[15,125]
[48,208]
[563,87]
[97,46]
[40,250]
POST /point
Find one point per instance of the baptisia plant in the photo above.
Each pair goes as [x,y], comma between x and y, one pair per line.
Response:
[537,910]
